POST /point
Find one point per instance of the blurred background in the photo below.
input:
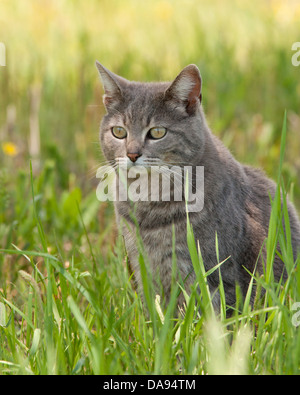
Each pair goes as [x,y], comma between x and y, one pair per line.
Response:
[51,105]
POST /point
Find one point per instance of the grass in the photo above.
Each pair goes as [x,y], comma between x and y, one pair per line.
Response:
[75,317]
[67,305]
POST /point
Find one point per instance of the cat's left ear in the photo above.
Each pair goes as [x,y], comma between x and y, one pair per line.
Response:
[186,88]
[112,85]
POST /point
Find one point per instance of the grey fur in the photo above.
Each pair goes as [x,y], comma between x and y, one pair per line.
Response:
[236,197]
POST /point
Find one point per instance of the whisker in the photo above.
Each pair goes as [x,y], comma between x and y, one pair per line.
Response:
[101,165]
[102,171]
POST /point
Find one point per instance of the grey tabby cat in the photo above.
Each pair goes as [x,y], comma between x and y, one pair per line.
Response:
[163,123]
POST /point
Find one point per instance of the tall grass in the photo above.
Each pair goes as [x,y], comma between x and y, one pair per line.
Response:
[74,317]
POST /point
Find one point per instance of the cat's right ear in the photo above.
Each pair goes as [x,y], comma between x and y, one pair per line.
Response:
[112,85]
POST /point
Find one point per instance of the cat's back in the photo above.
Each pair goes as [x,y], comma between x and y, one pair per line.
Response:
[259,203]
[261,188]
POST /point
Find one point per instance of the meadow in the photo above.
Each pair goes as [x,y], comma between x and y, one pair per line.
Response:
[67,303]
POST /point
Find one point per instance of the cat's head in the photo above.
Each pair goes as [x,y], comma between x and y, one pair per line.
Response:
[152,123]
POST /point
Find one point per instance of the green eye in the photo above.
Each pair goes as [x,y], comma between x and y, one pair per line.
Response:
[157,133]
[119,132]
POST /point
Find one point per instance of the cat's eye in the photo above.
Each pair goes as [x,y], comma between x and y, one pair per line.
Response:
[119,132]
[157,133]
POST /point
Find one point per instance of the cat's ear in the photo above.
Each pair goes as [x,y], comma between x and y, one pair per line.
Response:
[186,88]
[112,85]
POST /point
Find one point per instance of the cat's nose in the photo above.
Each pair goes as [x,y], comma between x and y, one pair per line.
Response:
[133,157]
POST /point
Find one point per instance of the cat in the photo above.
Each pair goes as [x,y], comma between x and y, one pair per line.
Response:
[161,123]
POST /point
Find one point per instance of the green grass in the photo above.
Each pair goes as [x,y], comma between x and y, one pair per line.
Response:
[67,304]
[67,315]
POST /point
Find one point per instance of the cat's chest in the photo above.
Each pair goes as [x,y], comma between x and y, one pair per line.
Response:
[153,229]
[152,216]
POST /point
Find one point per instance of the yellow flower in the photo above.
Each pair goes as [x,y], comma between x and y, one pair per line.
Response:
[9,149]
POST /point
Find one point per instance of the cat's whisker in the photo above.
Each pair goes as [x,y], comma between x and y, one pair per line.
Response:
[150,159]
[175,163]
[151,162]
[121,159]
[105,162]
[108,164]
[92,172]
[106,173]
[99,165]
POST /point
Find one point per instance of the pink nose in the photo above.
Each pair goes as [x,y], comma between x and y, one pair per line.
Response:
[133,157]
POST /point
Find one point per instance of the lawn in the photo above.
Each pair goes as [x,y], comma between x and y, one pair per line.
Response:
[67,302]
